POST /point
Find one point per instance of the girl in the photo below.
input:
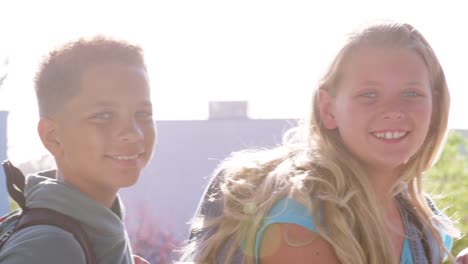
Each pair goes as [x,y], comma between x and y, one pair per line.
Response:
[345,187]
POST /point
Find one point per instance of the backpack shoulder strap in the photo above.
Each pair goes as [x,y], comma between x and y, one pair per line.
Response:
[432,205]
[422,232]
[44,216]
[15,181]
[41,216]
[210,205]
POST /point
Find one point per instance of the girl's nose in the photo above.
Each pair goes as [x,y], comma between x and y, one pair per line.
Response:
[394,115]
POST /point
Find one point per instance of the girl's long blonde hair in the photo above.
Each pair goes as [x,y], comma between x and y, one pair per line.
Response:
[314,162]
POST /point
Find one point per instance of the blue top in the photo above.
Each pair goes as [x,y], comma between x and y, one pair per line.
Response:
[289,211]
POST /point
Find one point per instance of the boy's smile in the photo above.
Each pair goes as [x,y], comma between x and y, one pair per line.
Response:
[126,160]
[106,131]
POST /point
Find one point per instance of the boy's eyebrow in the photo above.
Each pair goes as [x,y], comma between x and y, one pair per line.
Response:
[146,103]
[105,103]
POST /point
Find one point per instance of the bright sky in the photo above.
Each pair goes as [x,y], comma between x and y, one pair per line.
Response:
[265,51]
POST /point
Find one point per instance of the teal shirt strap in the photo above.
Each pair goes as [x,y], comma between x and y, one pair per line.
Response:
[285,211]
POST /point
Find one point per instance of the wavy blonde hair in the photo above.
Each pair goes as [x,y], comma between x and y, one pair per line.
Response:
[313,161]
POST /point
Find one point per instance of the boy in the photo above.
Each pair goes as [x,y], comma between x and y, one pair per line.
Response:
[96,120]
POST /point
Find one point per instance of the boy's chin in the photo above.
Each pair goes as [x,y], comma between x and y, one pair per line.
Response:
[128,184]
[127,179]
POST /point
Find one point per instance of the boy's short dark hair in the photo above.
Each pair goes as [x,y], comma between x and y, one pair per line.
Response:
[58,77]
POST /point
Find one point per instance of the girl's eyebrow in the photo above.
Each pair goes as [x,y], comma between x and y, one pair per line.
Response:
[414,83]
[370,83]
[375,83]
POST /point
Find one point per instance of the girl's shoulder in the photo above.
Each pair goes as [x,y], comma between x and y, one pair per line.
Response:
[285,211]
[289,234]
[289,210]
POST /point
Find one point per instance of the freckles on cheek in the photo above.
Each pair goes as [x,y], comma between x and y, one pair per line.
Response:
[423,112]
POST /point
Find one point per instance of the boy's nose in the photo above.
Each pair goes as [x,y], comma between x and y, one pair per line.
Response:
[131,133]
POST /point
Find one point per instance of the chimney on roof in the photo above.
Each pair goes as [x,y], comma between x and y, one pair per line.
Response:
[228,110]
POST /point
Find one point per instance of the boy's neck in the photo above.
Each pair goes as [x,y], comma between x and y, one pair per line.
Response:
[105,197]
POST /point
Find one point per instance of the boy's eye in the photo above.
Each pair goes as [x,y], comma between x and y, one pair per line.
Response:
[144,115]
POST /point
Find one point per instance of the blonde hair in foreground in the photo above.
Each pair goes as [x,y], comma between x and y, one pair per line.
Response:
[313,162]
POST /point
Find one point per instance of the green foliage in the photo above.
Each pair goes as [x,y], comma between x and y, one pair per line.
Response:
[13,205]
[447,183]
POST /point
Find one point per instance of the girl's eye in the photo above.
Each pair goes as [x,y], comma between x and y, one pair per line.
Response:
[103,116]
[410,94]
[370,94]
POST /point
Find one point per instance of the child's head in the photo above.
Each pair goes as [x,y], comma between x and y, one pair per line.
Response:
[384,94]
[59,74]
[383,103]
[96,113]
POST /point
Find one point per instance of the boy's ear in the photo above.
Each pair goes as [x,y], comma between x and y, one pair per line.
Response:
[48,132]
[326,104]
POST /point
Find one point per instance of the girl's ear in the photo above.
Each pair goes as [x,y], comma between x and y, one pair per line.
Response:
[326,104]
[48,132]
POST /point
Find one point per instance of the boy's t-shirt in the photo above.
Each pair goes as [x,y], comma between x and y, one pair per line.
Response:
[53,245]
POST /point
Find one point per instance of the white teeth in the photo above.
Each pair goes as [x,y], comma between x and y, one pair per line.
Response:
[398,134]
[126,157]
[379,135]
[390,135]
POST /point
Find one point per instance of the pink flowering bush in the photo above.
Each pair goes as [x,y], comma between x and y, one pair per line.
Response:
[151,238]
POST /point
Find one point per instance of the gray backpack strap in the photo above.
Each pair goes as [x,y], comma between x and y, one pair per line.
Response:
[44,216]
[432,243]
[211,206]
[422,243]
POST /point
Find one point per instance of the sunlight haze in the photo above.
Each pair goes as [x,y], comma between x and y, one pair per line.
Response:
[269,53]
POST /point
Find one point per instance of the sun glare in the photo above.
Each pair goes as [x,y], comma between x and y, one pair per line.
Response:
[269,53]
